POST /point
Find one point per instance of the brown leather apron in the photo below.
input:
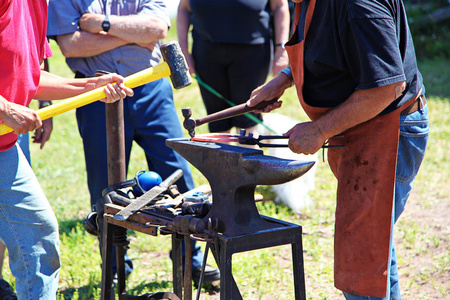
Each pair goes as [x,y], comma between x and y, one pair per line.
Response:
[365,170]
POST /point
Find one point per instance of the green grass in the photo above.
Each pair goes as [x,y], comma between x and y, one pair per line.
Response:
[61,172]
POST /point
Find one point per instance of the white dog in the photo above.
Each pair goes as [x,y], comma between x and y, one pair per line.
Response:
[295,193]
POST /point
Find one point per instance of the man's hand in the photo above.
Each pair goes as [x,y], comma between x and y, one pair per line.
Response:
[305,138]
[20,118]
[91,22]
[115,88]
[42,134]
[274,89]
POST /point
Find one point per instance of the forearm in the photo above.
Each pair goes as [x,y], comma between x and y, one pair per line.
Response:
[138,28]
[85,44]
[54,87]
[281,20]
[183,24]
[135,29]
[360,107]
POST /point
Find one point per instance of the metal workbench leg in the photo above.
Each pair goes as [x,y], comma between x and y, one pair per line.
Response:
[298,268]
[107,287]
[177,266]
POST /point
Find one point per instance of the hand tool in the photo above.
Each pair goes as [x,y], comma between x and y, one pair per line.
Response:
[240,109]
[249,139]
[145,199]
[174,65]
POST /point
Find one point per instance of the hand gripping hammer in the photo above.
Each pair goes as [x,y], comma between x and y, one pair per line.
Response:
[190,124]
[174,65]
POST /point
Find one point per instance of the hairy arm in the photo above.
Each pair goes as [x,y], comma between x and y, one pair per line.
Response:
[85,44]
[361,106]
[20,118]
[309,137]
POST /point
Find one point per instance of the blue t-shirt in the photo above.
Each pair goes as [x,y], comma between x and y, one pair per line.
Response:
[63,16]
[357,45]
[230,21]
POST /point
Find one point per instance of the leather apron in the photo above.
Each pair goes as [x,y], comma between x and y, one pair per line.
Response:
[365,171]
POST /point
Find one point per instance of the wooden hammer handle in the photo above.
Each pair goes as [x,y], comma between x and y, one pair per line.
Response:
[232,111]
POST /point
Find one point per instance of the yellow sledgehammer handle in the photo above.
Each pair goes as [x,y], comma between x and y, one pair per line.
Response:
[137,79]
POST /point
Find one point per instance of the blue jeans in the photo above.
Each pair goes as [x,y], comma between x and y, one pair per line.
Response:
[29,228]
[414,129]
[149,119]
[24,143]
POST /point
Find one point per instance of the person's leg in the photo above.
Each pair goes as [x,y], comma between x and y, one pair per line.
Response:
[24,143]
[211,62]
[413,139]
[6,292]
[153,119]
[245,60]
[29,228]
[5,288]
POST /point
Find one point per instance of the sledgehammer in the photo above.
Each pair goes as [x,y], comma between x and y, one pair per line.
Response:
[174,65]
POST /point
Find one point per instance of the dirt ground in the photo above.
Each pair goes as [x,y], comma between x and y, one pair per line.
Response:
[424,267]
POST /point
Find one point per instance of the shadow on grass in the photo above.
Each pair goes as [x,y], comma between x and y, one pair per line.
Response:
[92,291]
[68,225]
[88,292]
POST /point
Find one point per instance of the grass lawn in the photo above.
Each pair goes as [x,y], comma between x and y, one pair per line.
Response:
[422,236]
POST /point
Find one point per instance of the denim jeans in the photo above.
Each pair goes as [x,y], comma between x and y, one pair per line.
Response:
[29,228]
[414,129]
[24,143]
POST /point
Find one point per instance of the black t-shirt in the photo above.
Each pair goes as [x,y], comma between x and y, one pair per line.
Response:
[357,45]
[231,21]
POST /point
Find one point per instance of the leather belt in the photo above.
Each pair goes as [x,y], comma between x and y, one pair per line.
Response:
[415,106]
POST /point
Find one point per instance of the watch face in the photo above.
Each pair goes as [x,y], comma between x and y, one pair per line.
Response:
[106,25]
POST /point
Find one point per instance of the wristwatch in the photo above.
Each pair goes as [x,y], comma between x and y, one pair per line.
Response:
[106,25]
[280,45]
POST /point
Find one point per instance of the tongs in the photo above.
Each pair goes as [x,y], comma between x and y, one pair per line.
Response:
[249,139]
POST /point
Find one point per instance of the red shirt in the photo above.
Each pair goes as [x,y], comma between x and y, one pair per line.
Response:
[23,43]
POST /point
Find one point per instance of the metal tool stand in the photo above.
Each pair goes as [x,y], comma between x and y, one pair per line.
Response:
[233,174]
[283,233]
[113,231]
[138,222]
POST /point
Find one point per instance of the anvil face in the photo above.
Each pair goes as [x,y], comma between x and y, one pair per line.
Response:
[233,173]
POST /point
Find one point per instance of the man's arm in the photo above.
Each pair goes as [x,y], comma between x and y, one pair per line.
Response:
[85,44]
[281,20]
[20,118]
[53,87]
[360,107]
[309,137]
[136,29]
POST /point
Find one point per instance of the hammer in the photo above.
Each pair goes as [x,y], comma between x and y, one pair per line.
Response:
[174,65]
[190,124]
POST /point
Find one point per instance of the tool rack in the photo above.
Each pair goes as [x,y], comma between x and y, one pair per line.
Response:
[222,246]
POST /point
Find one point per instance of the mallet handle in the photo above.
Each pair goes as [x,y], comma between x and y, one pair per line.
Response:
[231,112]
[137,79]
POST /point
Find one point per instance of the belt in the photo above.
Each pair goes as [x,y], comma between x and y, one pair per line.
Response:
[415,106]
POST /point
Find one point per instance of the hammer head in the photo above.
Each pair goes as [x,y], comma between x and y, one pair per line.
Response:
[188,122]
[179,70]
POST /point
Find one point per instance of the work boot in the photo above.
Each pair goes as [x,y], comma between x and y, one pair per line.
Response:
[6,292]
[211,274]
